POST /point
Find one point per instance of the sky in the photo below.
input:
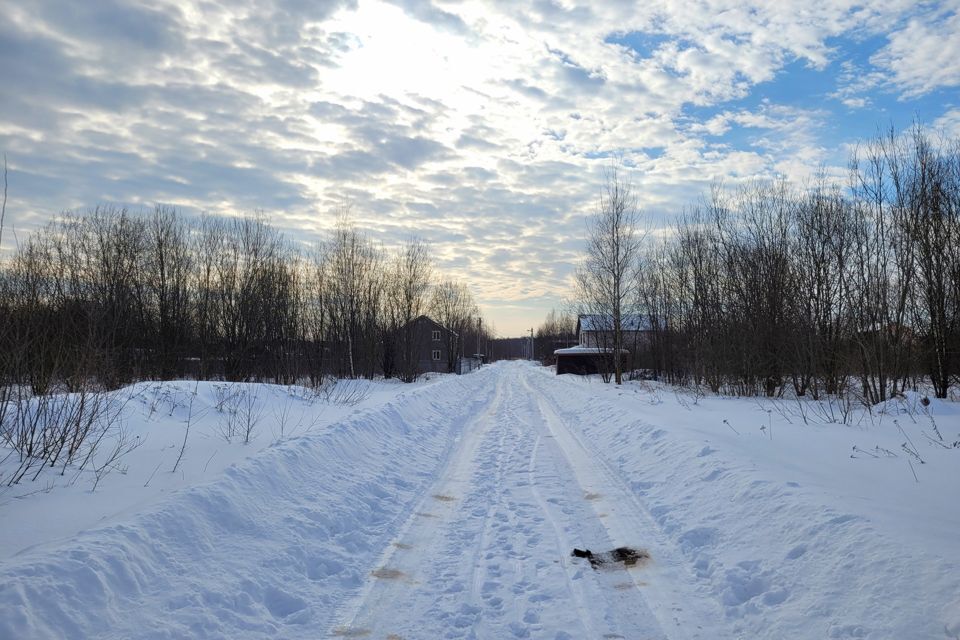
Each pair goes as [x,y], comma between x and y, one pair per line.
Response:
[483,127]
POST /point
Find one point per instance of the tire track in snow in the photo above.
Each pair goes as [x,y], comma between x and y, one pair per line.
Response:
[495,561]
[447,593]
[676,599]
[616,596]
[574,588]
[270,548]
[418,534]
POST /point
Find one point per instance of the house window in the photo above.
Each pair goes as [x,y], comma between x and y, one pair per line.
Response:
[436,336]
[436,354]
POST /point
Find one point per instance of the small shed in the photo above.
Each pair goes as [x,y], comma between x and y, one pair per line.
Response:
[583,360]
[466,364]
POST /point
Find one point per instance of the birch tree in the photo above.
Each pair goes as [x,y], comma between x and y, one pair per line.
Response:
[608,272]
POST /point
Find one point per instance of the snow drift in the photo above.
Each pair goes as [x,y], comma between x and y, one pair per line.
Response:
[266,550]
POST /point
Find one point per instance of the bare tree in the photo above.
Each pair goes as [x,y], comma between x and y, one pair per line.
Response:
[412,272]
[169,265]
[452,305]
[104,297]
[769,286]
[605,279]
[557,331]
[883,258]
[821,248]
[315,315]
[658,293]
[3,207]
[351,265]
[933,224]
[753,231]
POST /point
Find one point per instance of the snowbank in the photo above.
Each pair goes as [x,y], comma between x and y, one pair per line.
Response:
[797,535]
[266,548]
[760,524]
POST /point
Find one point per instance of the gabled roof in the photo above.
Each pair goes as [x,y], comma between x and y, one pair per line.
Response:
[602,322]
[427,319]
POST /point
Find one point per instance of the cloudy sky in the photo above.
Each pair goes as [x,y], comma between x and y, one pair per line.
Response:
[481,126]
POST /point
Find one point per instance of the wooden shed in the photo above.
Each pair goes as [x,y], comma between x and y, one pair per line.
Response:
[583,360]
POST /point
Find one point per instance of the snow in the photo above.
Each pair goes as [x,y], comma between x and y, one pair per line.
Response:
[449,510]
[579,351]
[791,535]
[55,507]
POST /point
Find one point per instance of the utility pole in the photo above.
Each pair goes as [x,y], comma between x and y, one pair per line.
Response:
[479,357]
[532,357]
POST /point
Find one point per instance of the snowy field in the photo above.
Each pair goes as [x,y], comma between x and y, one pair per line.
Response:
[450,508]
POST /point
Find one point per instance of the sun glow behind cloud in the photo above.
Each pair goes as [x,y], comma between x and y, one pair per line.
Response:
[394,54]
[482,126]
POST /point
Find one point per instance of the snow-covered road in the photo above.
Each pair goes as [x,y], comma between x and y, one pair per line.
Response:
[450,510]
[486,553]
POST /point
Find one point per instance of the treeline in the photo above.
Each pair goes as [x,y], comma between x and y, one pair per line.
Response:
[558,331]
[111,297]
[822,290]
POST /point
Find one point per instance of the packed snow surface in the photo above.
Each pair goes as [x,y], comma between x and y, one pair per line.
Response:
[450,509]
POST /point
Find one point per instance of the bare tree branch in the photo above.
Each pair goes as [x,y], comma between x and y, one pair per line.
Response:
[3,208]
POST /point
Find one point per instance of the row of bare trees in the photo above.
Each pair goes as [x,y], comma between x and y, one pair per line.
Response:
[823,290]
[558,331]
[112,297]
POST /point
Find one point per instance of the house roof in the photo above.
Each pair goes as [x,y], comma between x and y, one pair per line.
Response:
[603,322]
[427,319]
[585,351]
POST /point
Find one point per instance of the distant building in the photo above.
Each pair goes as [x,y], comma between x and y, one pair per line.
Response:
[594,350]
[431,344]
[584,360]
[596,330]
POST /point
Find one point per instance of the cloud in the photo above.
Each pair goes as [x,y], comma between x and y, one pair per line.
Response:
[108,26]
[949,123]
[482,125]
[924,55]
[427,11]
